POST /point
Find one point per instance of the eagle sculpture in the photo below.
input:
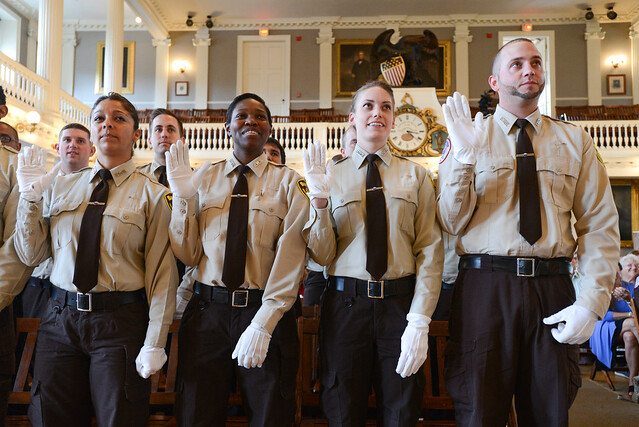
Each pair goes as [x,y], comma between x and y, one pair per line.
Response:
[419,52]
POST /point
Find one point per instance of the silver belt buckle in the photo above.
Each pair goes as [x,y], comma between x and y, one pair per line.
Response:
[236,296]
[83,302]
[519,265]
[381,288]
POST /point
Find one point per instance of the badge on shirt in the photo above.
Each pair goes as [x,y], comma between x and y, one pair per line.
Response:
[301,184]
[445,151]
[168,198]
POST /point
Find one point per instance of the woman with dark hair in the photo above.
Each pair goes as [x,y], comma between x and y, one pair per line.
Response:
[239,223]
[114,277]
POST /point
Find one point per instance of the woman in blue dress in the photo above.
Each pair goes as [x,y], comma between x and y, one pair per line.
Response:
[618,326]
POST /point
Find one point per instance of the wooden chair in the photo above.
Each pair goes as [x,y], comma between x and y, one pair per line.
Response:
[21,394]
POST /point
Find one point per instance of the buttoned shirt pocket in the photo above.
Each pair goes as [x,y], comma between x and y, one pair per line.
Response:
[347,211]
[265,221]
[558,180]
[65,221]
[402,206]
[211,213]
[121,227]
[495,179]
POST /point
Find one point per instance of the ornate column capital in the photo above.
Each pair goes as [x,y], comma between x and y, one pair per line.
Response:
[202,37]
[325,35]
[462,33]
[161,42]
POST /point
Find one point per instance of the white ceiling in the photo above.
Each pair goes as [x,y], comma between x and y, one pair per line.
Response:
[173,13]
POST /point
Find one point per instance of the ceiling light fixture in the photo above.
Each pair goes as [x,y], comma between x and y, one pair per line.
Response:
[189,20]
[589,14]
[209,22]
[611,13]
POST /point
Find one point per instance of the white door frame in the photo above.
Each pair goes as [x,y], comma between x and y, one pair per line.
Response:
[549,61]
[287,62]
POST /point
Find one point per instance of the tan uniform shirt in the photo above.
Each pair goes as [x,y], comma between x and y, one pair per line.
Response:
[151,169]
[451,259]
[278,209]
[134,252]
[13,273]
[480,203]
[337,235]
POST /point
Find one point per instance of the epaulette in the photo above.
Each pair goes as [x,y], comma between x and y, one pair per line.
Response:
[10,149]
[340,160]
[554,119]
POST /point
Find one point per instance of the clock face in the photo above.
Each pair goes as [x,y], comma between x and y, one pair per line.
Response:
[409,133]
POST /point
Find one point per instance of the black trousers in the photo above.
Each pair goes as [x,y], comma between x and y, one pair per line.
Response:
[34,298]
[207,374]
[360,343]
[86,360]
[499,347]
[7,359]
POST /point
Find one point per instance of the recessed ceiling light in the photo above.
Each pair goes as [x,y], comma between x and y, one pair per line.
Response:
[138,20]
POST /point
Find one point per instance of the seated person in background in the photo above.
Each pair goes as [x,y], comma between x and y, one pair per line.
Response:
[274,151]
[618,326]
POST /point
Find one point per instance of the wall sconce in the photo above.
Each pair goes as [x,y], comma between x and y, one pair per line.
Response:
[181,66]
[33,118]
[616,61]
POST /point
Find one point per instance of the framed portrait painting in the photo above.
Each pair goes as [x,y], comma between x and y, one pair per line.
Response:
[128,68]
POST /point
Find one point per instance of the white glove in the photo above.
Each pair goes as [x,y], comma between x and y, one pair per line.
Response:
[414,345]
[252,346]
[464,137]
[33,179]
[579,323]
[315,170]
[183,181]
[150,360]
[180,306]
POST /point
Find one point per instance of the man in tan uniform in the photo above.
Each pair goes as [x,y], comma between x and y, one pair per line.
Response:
[165,129]
[514,280]
[75,149]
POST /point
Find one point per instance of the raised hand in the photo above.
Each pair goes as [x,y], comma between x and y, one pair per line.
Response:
[464,136]
[33,179]
[315,170]
[183,181]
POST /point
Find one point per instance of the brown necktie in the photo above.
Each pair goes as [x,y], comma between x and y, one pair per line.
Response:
[162,178]
[85,275]
[236,233]
[376,225]
[529,211]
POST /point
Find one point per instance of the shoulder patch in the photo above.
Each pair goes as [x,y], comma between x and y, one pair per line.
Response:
[168,198]
[301,185]
[445,151]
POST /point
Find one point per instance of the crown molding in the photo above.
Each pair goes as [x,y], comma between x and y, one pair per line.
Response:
[23,8]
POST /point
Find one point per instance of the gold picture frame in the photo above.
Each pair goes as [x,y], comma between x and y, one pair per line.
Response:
[626,195]
[346,54]
[128,68]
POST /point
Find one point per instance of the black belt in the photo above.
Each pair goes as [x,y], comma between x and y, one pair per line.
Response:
[96,301]
[378,289]
[221,295]
[39,283]
[521,266]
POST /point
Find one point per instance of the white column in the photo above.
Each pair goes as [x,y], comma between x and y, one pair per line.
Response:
[161,71]
[49,53]
[32,44]
[69,42]
[325,41]
[202,41]
[114,46]
[461,38]
[634,38]
[593,37]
